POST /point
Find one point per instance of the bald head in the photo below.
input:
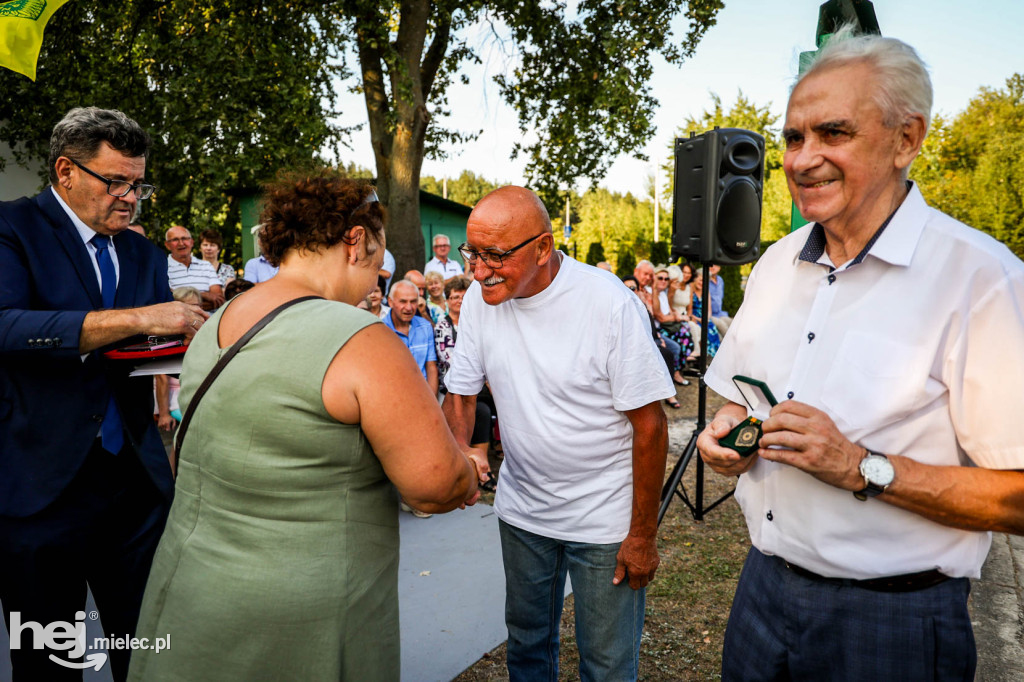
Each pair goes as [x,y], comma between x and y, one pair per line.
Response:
[511,229]
[517,209]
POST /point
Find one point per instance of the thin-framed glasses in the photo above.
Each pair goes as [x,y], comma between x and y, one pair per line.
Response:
[120,188]
[493,259]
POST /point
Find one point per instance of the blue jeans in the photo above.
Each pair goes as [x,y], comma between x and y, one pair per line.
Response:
[609,618]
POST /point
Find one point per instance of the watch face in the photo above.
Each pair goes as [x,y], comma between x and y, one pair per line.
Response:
[877,469]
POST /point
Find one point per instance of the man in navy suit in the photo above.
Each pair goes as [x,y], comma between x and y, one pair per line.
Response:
[85,484]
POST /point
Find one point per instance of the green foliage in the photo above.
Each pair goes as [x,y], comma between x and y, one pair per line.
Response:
[776,203]
[581,81]
[468,188]
[595,253]
[732,296]
[563,248]
[972,167]
[660,252]
[626,261]
[230,91]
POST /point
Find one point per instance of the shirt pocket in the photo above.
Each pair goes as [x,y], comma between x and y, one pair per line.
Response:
[874,381]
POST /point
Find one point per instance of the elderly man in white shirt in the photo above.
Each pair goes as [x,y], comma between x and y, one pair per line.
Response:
[893,333]
[185,271]
[440,262]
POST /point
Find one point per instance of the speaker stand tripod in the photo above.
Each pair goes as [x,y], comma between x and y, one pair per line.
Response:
[674,486]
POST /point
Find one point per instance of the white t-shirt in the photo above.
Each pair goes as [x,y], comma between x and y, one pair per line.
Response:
[447,269]
[198,274]
[563,365]
[915,351]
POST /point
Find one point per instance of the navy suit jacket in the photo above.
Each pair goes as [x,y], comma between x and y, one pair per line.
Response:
[51,402]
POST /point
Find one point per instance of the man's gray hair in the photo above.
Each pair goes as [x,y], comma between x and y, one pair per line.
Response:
[167,232]
[403,282]
[643,263]
[903,86]
[80,133]
[438,237]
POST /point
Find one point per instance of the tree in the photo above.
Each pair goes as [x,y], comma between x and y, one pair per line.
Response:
[595,254]
[231,91]
[580,84]
[776,202]
[972,167]
[626,261]
[468,188]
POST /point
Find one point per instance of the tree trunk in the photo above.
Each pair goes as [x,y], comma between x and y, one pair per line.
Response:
[398,123]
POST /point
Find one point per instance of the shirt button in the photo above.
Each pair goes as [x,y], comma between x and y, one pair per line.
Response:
[769,515]
[810,337]
[790,395]
[831,279]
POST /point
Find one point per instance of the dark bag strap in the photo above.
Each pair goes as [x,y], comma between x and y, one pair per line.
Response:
[455,332]
[187,417]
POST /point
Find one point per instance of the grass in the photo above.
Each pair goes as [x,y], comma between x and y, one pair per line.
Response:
[688,602]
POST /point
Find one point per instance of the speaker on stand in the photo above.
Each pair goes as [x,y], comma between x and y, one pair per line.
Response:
[716,218]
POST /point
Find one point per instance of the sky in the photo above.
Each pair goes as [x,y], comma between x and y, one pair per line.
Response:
[754,48]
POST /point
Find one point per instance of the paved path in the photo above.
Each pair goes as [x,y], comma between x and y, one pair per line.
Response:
[997,611]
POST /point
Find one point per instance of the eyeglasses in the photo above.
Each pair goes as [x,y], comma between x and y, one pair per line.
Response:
[661,279]
[179,239]
[493,259]
[631,288]
[120,188]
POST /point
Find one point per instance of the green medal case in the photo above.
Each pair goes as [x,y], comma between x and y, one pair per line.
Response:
[743,439]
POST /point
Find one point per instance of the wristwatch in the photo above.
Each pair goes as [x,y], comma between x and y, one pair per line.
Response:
[878,474]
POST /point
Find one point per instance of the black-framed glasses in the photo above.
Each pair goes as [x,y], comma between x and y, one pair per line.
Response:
[493,259]
[120,188]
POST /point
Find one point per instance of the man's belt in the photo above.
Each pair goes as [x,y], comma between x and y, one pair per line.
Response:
[908,582]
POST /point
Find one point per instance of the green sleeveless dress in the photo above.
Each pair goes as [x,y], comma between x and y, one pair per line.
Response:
[279,560]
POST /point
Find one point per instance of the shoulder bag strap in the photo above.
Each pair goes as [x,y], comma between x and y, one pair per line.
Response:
[187,417]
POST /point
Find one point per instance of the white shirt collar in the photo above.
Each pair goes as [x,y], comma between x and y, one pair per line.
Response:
[84,231]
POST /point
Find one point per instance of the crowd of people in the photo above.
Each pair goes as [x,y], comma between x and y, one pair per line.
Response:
[269,547]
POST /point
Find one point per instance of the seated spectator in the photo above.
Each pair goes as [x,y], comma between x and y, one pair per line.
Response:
[668,348]
[714,339]
[415,332]
[445,334]
[436,303]
[680,300]
[258,269]
[671,324]
[185,271]
[236,287]
[716,286]
[210,244]
[374,300]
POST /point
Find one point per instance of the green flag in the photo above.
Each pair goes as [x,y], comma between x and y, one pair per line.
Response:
[21,32]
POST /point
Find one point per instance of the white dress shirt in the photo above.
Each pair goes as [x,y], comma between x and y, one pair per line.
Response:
[915,348]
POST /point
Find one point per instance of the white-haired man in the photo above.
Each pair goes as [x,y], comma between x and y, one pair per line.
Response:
[897,447]
[441,263]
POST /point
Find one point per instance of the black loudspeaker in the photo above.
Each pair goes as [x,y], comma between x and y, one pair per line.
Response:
[719,183]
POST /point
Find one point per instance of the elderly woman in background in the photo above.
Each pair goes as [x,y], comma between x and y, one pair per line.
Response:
[671,323]
[437,304]
[280,556]
[210,244]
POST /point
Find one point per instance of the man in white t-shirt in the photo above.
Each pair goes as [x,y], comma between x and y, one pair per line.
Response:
[568,355]
[893,334]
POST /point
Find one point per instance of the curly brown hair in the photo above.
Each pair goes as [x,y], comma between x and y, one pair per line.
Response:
[315,210]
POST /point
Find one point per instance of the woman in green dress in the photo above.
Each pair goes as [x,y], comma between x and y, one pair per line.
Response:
[279,560]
